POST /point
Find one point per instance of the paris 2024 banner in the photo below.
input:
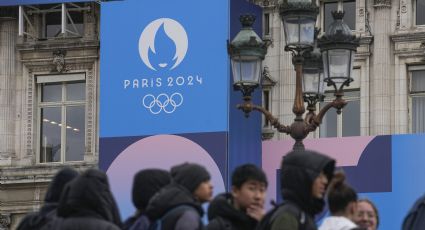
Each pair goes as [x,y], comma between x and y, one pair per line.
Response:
[165,95]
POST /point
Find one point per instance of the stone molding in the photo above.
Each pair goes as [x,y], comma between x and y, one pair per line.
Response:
[380,4]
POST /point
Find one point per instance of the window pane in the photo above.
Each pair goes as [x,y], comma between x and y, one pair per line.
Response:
[328,128]
[75,133]
[349,17]
[350,14]
[266,24]
[75,91]
[51,92]
[50,141]
[53,24]
[420,8]
[77,18]
[351,119]
[418,113]
[418,81]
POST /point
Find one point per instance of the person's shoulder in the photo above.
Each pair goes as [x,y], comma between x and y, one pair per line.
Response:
[219,223]
[285,220]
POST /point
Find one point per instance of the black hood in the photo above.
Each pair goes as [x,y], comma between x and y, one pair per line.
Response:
[171,196]
[222,206]
[89,196]
[299,169]
[58,183]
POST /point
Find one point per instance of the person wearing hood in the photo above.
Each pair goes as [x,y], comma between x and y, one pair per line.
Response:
[178,205]
[342,202]
[51,201]
[145,184]
[87,203]
[243,208]
[304,177]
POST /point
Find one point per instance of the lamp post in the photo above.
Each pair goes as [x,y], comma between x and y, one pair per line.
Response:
[337,49]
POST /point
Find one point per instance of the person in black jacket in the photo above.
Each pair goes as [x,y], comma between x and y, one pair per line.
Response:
[145,184]
[87,203]
[51,200]
[304,179]
[178,205]
[243,208]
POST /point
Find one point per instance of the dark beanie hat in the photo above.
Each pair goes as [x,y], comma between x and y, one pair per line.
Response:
[58,183]
[189,175]
[146,183]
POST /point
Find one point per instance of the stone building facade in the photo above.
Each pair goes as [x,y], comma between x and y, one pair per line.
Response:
[386,96]
[39,60]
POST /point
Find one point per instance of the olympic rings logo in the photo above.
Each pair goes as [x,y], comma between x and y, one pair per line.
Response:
[162,102]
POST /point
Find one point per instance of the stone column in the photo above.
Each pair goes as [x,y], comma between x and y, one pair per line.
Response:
[8,36]
[380,79]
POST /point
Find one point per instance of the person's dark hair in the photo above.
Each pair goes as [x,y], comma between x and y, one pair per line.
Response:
[189,175]
[247,172]
[374,209]
[146,183]
[340,194]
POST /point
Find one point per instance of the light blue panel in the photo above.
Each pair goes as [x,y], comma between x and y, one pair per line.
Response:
[408,181]
[164,67]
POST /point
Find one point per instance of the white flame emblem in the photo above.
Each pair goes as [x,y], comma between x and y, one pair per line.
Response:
[173,30]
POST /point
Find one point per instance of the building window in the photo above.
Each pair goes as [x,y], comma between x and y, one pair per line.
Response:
[266,24]
[61,106]
[52,20]
[420,8]
[417,100]
[348,122]
[349,9]
[266,105]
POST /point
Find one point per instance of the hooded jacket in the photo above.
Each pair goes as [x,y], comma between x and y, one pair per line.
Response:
[299,169]
[87,203]
[51,200]
[223,216]
[167,199]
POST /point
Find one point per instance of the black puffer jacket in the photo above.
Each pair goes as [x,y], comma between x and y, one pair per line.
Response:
[87,203]
[48,210]
[187,217]
[299,169]
[223,216]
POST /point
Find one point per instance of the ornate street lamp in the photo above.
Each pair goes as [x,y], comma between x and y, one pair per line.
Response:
[338,47]
[247,51]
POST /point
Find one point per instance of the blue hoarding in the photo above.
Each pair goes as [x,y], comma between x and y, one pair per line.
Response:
[164,67]
[35,2]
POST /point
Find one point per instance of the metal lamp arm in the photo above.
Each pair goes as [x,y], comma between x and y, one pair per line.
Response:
[315,120]
[247,107]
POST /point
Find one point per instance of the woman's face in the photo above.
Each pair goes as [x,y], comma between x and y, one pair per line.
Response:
[366,216]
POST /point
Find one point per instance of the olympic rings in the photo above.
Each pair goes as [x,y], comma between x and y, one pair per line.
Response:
[162,102]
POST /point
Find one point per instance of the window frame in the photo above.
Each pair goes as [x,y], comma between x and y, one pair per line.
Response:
[63,105]
[411,94]
[322,15]
[415,14]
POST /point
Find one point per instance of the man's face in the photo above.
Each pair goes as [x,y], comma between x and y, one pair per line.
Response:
[319,186]
[251,194]
[204,192]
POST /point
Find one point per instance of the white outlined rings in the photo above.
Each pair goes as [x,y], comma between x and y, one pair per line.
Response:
[162,102]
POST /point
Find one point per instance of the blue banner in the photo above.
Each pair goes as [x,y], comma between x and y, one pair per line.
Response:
[164,67]
[35,2]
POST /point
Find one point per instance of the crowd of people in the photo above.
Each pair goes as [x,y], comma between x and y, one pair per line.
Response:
[172,200]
